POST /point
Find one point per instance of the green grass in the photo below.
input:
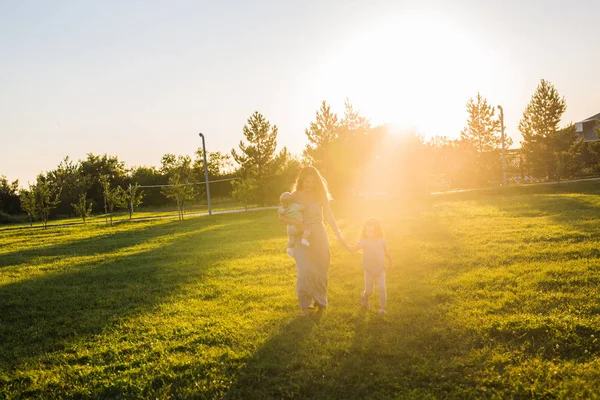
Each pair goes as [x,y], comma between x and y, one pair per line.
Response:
[493,295]
[218,204]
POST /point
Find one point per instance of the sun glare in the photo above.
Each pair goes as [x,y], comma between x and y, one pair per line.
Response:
[415,70]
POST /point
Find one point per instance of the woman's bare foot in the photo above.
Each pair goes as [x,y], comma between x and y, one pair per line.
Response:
[304,313]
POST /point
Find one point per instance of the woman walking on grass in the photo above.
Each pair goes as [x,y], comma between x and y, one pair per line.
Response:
[312,262]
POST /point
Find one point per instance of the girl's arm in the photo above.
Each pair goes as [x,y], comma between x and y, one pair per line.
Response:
[332,222]
[388,255]
[353,249]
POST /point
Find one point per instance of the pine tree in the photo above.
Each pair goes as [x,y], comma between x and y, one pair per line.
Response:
[482,137]
[542,146]
[257,158]
[353,123]
[321,134]
[351,152]
[483,129]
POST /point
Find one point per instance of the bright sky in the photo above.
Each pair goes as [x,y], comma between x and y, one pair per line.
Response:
[139,79]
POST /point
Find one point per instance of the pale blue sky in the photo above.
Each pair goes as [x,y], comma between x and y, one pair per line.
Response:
[139,79]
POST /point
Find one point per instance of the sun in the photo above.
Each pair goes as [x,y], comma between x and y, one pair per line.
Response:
[411,70]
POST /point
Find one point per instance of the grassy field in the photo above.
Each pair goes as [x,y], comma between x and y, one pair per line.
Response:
[493,295]
[218,204]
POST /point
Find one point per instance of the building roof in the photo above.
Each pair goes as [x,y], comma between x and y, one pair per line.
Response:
[587,128]
[592,118]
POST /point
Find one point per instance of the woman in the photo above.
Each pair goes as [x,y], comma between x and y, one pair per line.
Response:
[312,263]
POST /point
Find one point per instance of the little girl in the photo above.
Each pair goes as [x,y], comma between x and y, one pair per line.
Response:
[375,251]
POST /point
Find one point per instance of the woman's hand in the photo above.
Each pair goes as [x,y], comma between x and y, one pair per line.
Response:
[340,238]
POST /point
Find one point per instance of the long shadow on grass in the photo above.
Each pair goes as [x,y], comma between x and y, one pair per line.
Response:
[387,357]
[44,313]
[105,242]
[276,370]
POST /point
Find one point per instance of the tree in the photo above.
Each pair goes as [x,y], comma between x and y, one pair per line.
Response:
[170,163]
[95,166]
[46,198]
[244,190]
[350,152]
[9,196]
[69,177]
[218,164]
[353,123]
[483,129]
[321,134]
[483,136]
[180,192]
[29,204]
[112,198]
[130,198]
[257,158]
[540,129]
[83,207]
[567,145]
[180,175]
[150,176]
[441,163]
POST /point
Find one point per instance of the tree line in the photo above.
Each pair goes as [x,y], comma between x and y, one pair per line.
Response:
[354,156]
[548,151]
[102,184]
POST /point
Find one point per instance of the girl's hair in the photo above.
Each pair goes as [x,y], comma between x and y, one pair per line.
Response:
[375,224]
[320,182]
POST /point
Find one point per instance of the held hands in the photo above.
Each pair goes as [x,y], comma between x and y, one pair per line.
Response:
[341,238]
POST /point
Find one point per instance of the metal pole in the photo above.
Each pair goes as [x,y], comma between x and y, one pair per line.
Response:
[105,208]
[130,202]
[206,175]
[503,155]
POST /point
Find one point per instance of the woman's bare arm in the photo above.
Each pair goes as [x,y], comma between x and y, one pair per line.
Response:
[331,221]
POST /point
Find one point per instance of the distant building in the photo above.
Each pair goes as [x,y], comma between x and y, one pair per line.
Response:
[588,128]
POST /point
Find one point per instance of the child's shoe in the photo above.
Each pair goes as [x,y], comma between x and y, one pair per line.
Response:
[382,311]
[290,252]
[364,301]
[305,243]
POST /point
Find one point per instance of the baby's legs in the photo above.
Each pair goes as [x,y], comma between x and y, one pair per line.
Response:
[305,236]
[292,231]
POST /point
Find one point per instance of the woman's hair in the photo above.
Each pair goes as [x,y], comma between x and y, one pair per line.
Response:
[320,182]
[375,224]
